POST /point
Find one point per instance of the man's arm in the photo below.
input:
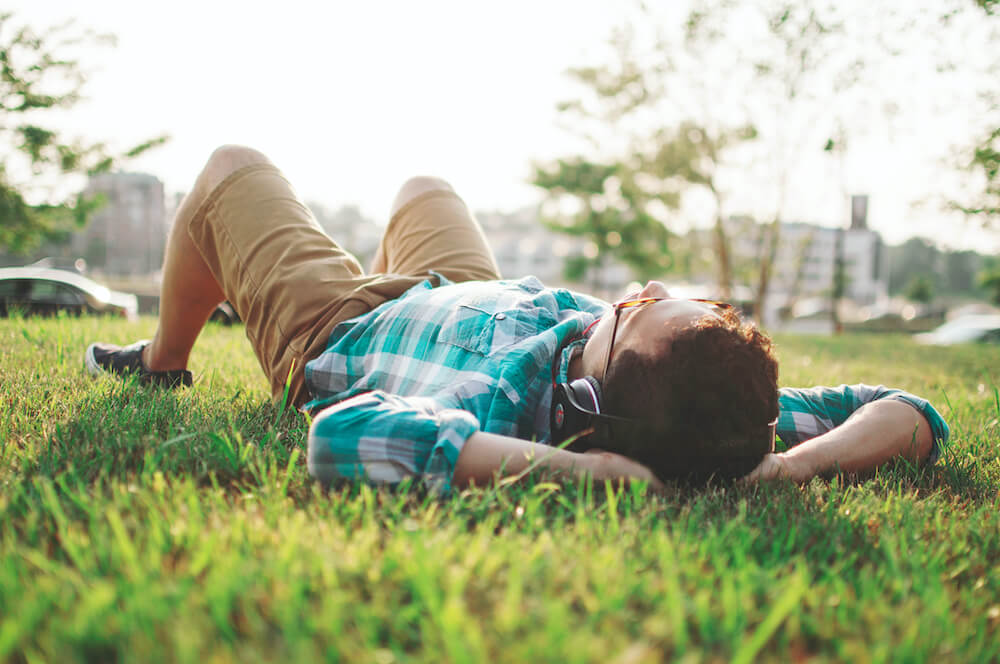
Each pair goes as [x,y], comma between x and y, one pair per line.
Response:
[876,433]
[853,429]
[487,456]
[384,438]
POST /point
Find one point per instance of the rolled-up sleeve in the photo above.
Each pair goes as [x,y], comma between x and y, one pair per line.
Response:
[807,413]
[384,438]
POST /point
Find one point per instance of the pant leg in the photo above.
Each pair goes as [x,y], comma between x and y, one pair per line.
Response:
[288,280]
[435,231]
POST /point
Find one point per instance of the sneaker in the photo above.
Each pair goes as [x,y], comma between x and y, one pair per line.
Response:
[108,358]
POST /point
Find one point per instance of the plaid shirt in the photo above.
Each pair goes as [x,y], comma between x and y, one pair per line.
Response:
[400,389]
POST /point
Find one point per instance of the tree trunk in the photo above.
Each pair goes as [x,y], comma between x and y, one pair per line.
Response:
[725,268]
[802,253]
[768,253]
[837,291]
[722,249]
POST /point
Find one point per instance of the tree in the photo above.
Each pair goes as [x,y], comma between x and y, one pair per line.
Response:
[948,273]
[920,289]
[39,73]
[989,6]
[624,198]
[915,257]
[960,271]
[614,214]
[982,160]
[695,124]
[619,205]
[791,71]
[984,164]
[989,279]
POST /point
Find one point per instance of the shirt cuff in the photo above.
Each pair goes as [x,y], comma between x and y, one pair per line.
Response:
[454,428]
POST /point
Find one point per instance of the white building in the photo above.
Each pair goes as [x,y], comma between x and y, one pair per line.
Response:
[806,260]
[802,276]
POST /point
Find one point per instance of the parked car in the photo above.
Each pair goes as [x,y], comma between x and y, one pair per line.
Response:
[44,291]
[964,329]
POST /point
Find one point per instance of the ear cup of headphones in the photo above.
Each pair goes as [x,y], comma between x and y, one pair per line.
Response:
[573,405]
[588,393]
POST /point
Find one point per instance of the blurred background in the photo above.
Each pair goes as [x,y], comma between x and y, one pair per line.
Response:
[829,166]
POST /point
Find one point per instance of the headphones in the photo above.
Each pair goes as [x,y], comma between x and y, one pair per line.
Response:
[576,408]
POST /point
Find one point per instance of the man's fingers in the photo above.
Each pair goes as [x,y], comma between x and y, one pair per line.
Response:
[619,466]
[770,468]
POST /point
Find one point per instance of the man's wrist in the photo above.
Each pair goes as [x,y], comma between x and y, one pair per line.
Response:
[588,464]
[800,464]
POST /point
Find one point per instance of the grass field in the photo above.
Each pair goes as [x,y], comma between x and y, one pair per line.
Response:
[144,526]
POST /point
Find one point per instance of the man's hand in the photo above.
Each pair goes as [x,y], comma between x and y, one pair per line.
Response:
[610,466]
[875,434]
[779,466]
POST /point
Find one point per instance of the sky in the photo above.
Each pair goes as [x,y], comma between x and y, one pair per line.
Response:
[351,98]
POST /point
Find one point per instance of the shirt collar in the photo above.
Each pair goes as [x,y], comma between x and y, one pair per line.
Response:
[570,350]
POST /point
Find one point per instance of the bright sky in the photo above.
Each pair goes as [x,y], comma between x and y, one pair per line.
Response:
[351,98]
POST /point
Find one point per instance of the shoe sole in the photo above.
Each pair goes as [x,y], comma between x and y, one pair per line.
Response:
[95,369]
[90,362]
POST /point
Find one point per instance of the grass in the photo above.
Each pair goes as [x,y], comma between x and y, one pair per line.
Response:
[142,526]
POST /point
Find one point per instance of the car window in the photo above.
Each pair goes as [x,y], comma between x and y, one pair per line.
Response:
[50,291]
[14,288]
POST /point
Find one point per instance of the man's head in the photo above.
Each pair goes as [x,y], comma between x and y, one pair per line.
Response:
[702,382]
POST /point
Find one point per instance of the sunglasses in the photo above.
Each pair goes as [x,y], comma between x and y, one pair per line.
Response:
[641,302]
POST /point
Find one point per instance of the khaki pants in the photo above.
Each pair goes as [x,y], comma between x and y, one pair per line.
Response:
[291,284]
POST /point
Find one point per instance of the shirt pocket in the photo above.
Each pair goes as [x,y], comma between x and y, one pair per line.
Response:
[485,324]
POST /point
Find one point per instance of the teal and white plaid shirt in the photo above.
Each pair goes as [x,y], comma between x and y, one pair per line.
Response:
[400,389]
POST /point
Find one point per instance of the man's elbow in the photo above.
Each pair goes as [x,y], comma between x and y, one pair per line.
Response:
[911,429]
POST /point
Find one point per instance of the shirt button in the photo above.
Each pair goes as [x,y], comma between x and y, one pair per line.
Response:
[501,316]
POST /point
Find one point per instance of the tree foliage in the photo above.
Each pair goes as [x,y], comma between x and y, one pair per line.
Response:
[747,101]
[616,213]
[920,289]
[983,160]
[950,273]
[985,164]
[990,281]
[619,202]
[689,118]
[39,73]
[989,6]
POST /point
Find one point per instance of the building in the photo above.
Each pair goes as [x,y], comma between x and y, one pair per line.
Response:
[523,246]
[350,229]
[802,276]
[806,259]
[127,235]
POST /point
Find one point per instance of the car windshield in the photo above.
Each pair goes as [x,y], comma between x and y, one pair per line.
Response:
[963,330]
[959,334]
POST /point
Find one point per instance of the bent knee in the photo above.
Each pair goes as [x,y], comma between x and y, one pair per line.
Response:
[416,186]
[228,159]
[234,157]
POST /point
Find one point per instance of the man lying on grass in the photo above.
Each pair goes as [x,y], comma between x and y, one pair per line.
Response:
[431,366]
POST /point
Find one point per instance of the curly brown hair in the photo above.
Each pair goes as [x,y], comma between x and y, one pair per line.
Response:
[704,401]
